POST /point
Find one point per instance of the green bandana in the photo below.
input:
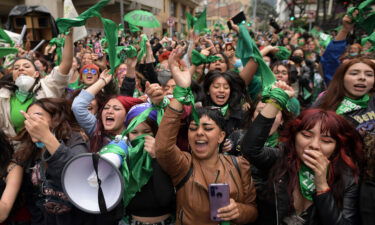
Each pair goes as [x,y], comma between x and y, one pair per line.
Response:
[133,28]
[64,24]
[136,170]
[365,17]
[110,29]
[143,116]
[142,50]
[22,97]
[246,49]
[185,96]
[198,58]
[272,140]
[283,53]
[224,110]
[306,181]
[370,39]
[348,104]
[130,51]
[4,37]
[198,23]
[277,94]
[7,51]
[219,25]
[59,42]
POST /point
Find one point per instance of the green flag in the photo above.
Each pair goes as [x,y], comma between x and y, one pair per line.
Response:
[201,22]
[198,23]
[110,31]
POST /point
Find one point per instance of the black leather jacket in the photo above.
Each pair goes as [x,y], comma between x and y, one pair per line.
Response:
[275,207]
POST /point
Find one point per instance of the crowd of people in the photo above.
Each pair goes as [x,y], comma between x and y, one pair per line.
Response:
[285,120]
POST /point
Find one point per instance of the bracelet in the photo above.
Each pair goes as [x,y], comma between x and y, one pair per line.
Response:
[175,110]
[323,191]
[274,103]
[105,82]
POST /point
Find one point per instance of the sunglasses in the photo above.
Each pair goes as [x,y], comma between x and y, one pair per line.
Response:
[92,71]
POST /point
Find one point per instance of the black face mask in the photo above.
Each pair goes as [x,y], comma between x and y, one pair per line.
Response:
[296,59]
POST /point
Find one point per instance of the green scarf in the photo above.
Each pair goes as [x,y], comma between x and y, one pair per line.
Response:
[348,104]
[198,23]
[198,58]
[136,170]
[306,181]
[133,28]
[272,140]
[19,102]
[370,39]
[283,53]
[7,51]
[4,37]
[142,46]
[246,49]
[224,110]
[365,18]
[59,42]
[110,29]
[143,116]
[277,94]
[64,24]
[185,96]
[130,51]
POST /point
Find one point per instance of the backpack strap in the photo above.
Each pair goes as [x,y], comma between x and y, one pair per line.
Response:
[235,163]
[186,178]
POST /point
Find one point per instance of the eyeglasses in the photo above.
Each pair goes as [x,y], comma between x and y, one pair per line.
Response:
[92,71]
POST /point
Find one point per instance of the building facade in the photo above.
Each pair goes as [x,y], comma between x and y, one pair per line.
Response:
[170,13]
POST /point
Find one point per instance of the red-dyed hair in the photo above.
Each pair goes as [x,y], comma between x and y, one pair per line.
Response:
[98,139]
[347,156]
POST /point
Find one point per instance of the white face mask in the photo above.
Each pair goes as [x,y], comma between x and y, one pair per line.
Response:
[267,63]
[24,83]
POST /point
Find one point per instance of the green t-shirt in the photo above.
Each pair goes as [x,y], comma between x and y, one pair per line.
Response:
[16,118]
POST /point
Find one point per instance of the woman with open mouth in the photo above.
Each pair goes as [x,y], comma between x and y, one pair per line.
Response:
[191,173]
[351,94]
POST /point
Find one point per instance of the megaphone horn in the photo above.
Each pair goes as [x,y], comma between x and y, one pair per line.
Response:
[88,197]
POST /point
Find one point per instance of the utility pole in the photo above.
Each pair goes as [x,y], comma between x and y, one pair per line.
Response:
[255,12]
[122,13]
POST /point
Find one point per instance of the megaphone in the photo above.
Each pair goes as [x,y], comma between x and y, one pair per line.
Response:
[80,189]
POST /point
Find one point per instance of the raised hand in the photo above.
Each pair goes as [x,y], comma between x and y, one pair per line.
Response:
[230,212]
[150,145]
[106,76]
[318,162]
[288,89]
[37,128]
[180,72]
[154,92]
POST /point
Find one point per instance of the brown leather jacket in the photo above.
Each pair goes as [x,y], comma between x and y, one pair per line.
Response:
[192,198]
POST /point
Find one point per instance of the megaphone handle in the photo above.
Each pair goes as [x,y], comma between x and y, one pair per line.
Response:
[101,200]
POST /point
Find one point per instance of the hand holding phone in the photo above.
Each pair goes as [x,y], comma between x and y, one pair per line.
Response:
[219,198]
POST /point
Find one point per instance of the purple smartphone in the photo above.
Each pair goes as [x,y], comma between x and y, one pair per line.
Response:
[219,197]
